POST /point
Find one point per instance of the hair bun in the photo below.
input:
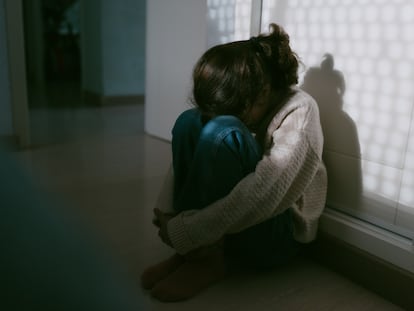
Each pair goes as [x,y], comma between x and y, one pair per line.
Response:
[280,56]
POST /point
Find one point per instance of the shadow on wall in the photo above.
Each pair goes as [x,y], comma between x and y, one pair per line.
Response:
[342,155]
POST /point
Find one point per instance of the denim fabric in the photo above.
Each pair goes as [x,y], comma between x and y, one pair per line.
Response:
[209,159]
[265,245]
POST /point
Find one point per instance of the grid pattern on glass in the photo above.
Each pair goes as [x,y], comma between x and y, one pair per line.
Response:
[407,185]
[373,46]
[228,20]
[243,19]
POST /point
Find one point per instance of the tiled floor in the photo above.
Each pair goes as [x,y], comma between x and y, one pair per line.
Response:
[99,162]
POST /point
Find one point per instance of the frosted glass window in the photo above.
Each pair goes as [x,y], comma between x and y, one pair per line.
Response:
[228,20]
[358,62]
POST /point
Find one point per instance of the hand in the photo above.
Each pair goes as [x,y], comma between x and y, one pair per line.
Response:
[161,221]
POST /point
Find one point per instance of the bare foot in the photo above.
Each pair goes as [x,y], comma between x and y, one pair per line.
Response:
[158,272]
[191,277]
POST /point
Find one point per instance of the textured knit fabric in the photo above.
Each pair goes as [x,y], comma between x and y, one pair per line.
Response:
[291,174]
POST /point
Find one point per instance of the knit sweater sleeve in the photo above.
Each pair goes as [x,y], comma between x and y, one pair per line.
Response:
[278,181]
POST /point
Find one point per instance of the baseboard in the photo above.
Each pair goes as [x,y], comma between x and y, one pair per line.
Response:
[94,99]
[390,282]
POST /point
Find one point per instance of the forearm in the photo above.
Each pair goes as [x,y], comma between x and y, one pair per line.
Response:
[165,198]
[257,197]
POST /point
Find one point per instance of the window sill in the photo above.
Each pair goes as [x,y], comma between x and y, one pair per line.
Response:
[378,242]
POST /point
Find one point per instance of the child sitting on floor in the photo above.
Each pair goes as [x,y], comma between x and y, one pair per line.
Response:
[247,183]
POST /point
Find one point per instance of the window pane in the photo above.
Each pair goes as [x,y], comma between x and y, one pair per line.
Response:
[358,61]
[228,20]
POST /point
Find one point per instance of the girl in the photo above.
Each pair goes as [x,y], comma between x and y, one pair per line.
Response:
[247,183]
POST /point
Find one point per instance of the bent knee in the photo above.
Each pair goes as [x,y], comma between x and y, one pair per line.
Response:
[227,120]
[223,124]
[188,119]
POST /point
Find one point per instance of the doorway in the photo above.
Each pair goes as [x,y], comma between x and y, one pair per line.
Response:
[69,45]
[52,49]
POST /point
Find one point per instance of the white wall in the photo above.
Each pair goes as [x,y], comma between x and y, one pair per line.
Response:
[176,38]
[6,128]
[123,23]
[113,47]
[17,71]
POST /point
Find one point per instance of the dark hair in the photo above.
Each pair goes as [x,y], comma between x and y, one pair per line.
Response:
[229,78]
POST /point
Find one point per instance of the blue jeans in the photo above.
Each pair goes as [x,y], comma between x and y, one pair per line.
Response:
[209,159]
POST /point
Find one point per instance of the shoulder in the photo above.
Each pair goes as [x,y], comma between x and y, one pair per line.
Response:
[301,99]
[301,108]
[298,118]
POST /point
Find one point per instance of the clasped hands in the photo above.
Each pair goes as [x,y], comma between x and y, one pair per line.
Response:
[161,220]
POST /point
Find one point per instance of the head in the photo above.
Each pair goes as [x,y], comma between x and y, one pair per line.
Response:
[327,62]
[245,78]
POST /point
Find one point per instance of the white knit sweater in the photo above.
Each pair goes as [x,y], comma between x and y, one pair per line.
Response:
[290,174]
